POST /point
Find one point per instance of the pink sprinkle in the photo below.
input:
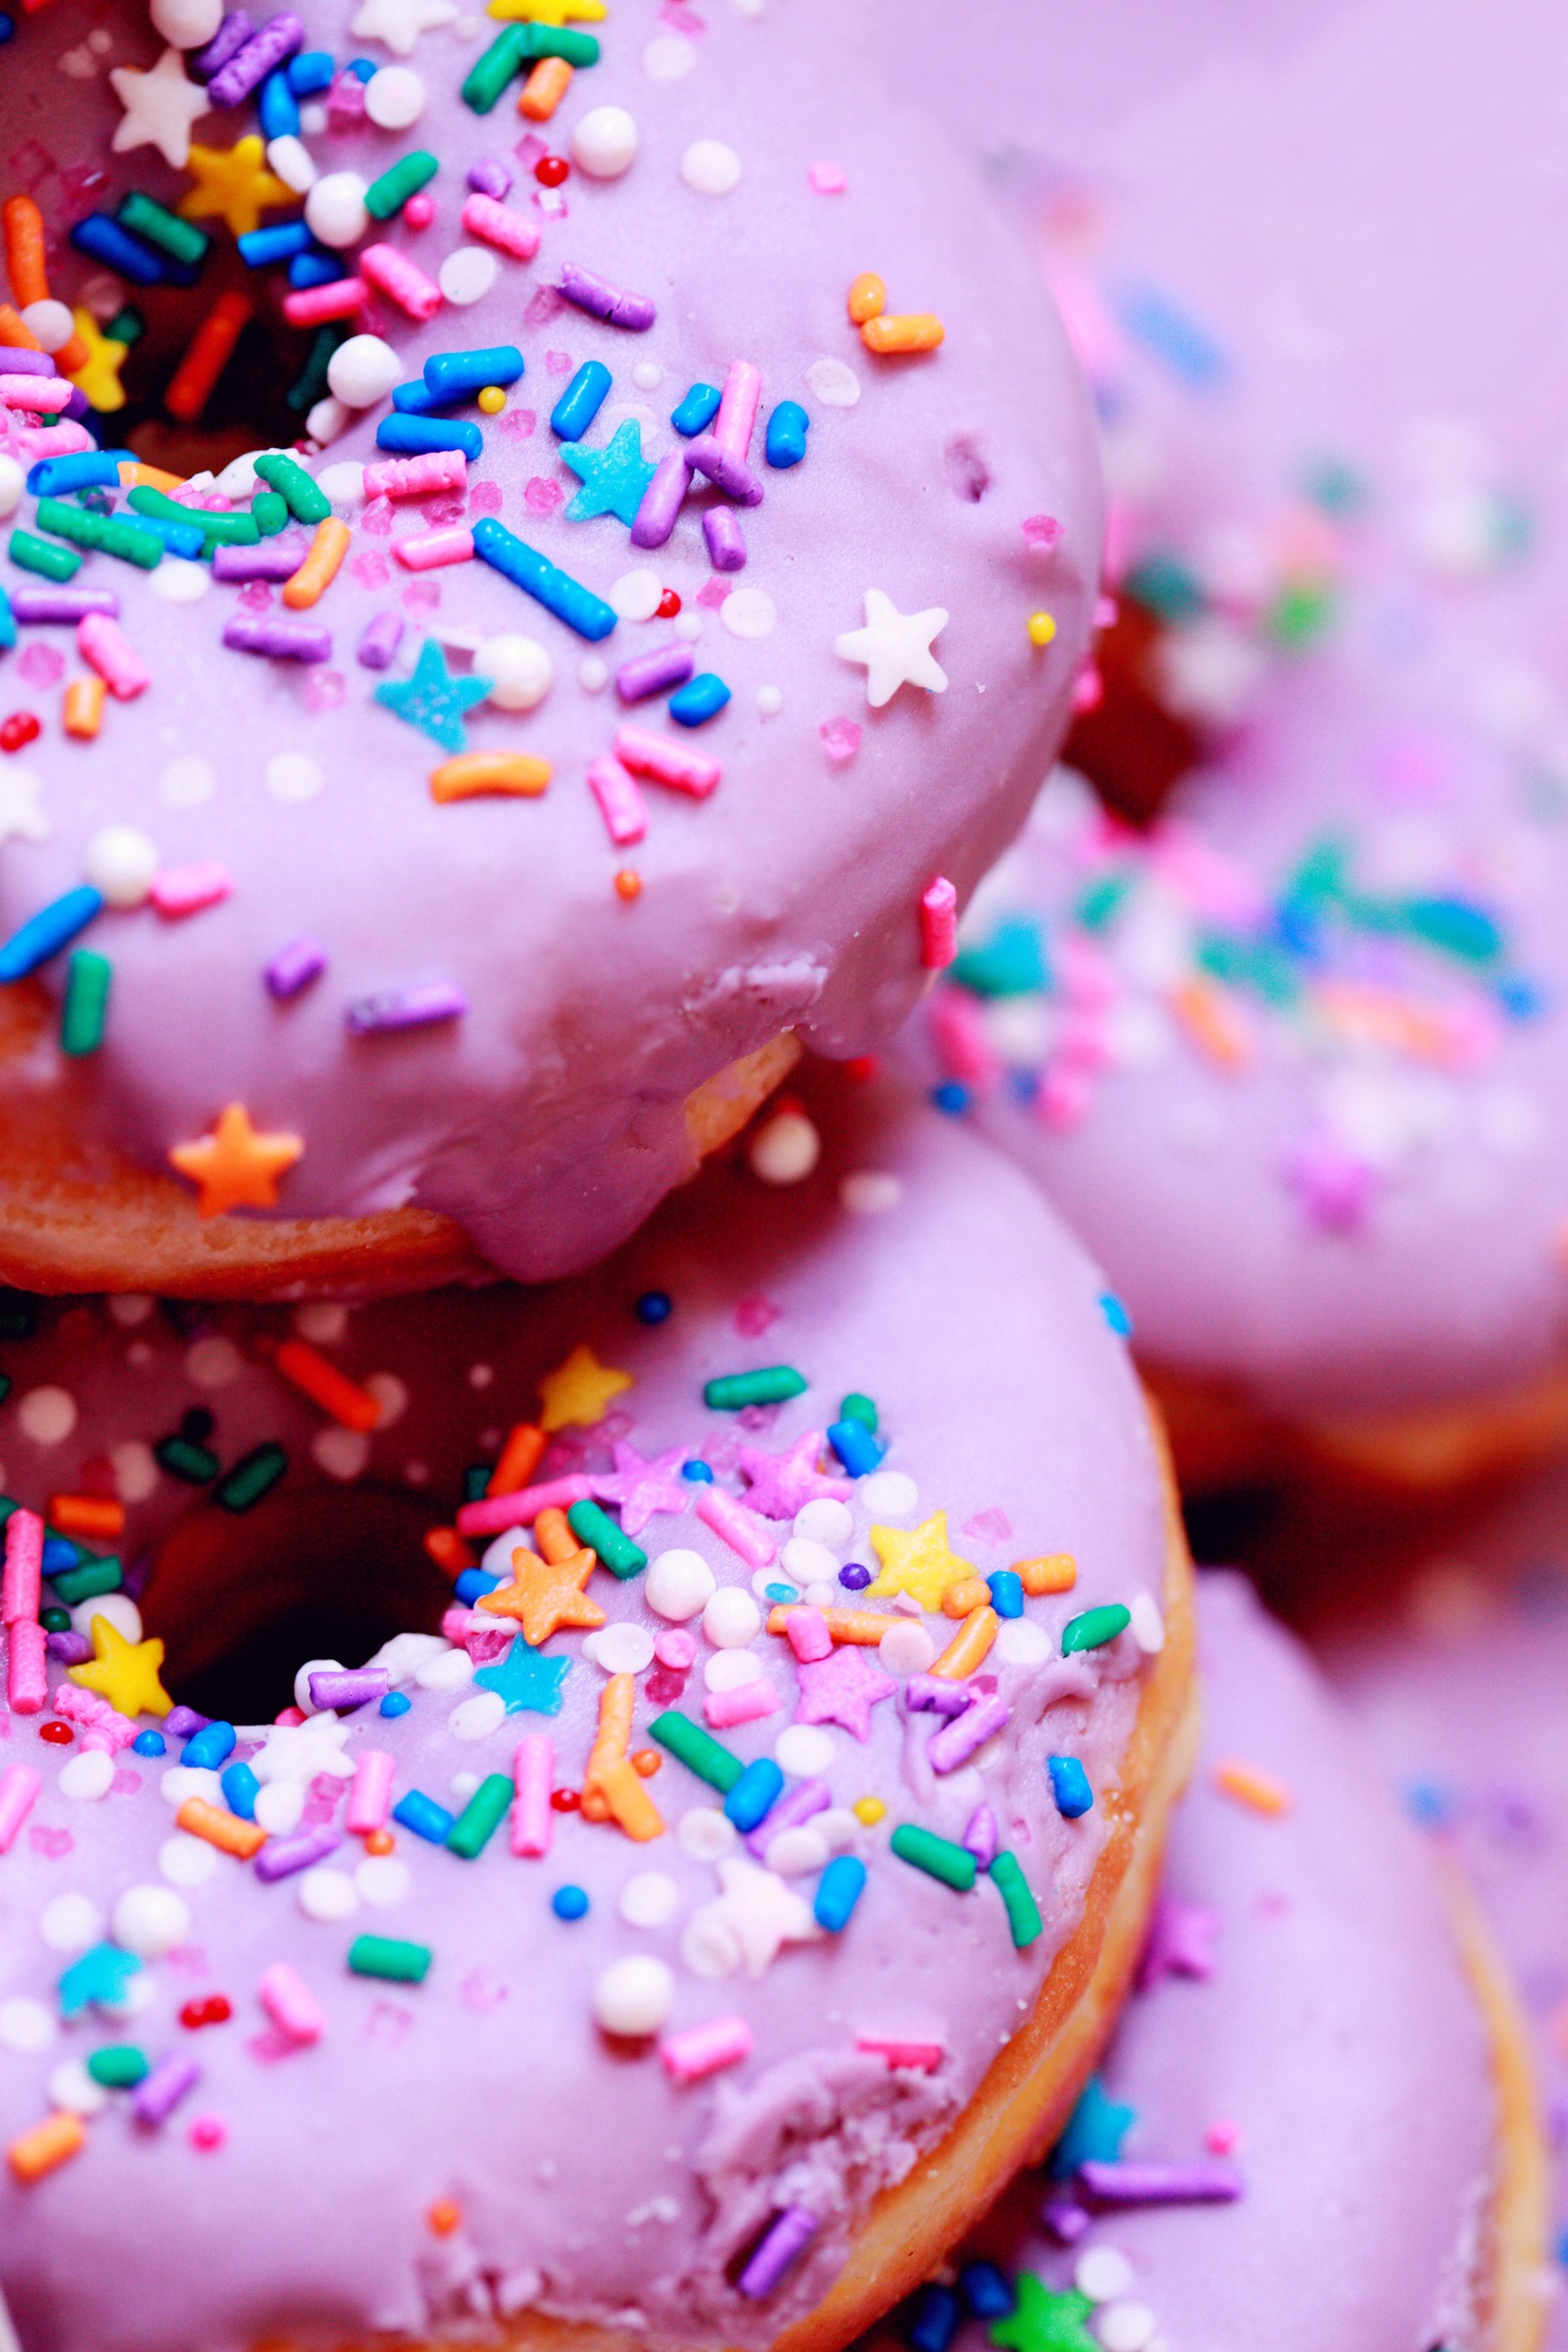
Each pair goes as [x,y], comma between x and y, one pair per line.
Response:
[841,739]
[921,2057]
[186,889]
[62,440]
[747,1702]
[828,180]
[421,595]
[324,689]
[431,549]
[291,2004]
[531,149]
[542,497]
[1062,1102]
[403,281]
[413,478]
[620,802]
[558,362]
[256,597]
[1088,690]
[21,1591]
[960,1039]
[521,424]
[675,1648]
[809,1637]
[42,393]
[419,210]
[313,306]
[19,1793]
[26,1681]
[667,762]
[104,646]
[713,592]
[40,664]
[550,205]
[988,1527]
[290,1717]
[740,1528]
[543,304]
[1042,531]
[703,2049]
[485,498]
[737,408]
[372,1794]
[493,1514]
[533,1769]
[939,924]
[498,226]
[755,1314]
[1222,2138]
[208,2133]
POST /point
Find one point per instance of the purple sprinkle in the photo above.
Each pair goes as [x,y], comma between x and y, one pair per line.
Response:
[284,640]
[228,42]
[798,1805]
[282,1857]
[406,1008]
[727,541]
[662,501]
[490,177]
[183,1723]
[294,967]
[934,1694]
[38,605]
[1065,2221]
[380,641]
[959,1740]
[72,1649]
[708,455]
[783,2246]
[249,67]
[1160,2183]
[614,305]
[981,1838]
[27,362]
[273,560]
[349,1686]
[158,2093]
[655,672]
[1181,1944]
[854,1576]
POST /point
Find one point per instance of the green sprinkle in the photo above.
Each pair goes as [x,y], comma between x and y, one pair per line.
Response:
[306,502]
[697,1749]
[6,1385]
[18,1318]
[252,1477]
[856,1407]
[119,2066]
[477,1481]
[616,1551]
[1095,1628]
[937,1856]
[233,530]
[486,1809]
[182,1458]
[87,1581]
[389,1957]
[112,534]
[771,1386]
[270,512]
[1023,1912]
[312,382]
[86,1006]
[164,229]
[406,177]
[55,1621]
[50,563]
[126,326]
[8,1505]
[1299,615]
[559,40]
[501,63]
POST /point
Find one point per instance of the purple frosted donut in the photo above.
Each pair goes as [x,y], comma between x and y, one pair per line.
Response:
[625,676]
[680,1929]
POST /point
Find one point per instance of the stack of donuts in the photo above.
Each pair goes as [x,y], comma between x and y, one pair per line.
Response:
[779,808]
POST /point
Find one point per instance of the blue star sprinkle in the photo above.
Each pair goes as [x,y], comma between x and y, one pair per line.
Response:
[434,700]
[527,1678]
[613,479]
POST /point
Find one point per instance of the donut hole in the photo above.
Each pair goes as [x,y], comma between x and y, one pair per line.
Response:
[968,474]
[241,1601]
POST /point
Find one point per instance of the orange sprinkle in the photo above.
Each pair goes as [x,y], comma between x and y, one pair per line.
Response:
[447,1548]
[629,1803]
[1053,1572]
[380,1841]
[647,1761]
[442,2217]
[1249,1785]
[72,356]
[612,1786]
[1213,1022]
[628,883]
[967,1595]
[190,387]
[914,330]
[48,2144]
[324,1385]
[15,335]
[87,1515]
[868,298]
[232,1835]
[471,773]
[22,224]
[544,89]
[149,477]
[320,569]
[520,1457]
[83,712]
[969,1645]
[865,1627]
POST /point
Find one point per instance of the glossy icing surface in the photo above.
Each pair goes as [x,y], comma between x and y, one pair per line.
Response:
[546,1114]
[474,2143]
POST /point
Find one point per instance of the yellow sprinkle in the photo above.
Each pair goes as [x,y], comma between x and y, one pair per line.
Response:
[1249,1785]
[1042,625]
[910,330]
[472,772]
[868,1810]
[492,399]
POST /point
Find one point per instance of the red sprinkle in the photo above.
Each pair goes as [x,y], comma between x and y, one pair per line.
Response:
[668,605]
[564,1800]
[214,2009]
[20,728]
[58,1735]
[550,169]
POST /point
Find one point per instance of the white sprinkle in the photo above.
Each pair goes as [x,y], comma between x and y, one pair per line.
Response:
[187,1861]
[648,375]
[709,167]
[805,1752]
[668,57]
[731,1618]
[389,1395]
[293,776]
[468,275]
[178,581]
[1102,2274]
[785,1149]
[605,142]
[650,1899]
[120,1610]
[187,782]
[635,595]
[343,483]
[47,1416]
[678,1585]
[122,863]
[26,2026]
[477,1717]
[1021,1642]
[324,1322]
[181,1782]
[519,670]
[688,627]
[72,2088]
[186,23]
[462,1786]
[362,370]
[1147,1626]
[341,1452]
[393,97]
[12,481]
[448,1672]
[88,1777]
[51,322]
[728,1669]
[905,1649]
[622,1649]
[834,384]
[383,1880]
[827,1522]
[593,676]
[795,1851]
[705,1833]
[150,1921]
[70,1923]
[749,613]
[293,163]
[280,1807]
[327,1894]
[870,1193]
[1125,2326]
[809,1561]
[888,1494]
[769,701]
[334,210]
[213,1363]
[633,1997]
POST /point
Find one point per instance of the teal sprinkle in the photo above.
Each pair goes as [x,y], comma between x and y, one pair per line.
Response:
[1166,587]
[1102,900]
[1456,927]
[1010,963]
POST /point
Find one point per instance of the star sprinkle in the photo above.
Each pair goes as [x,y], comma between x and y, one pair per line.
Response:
[894,648]
[642,1487]
[550,12]
[1043,2321]
[545,1595]
[98,376]
[1181,1944]
[580,1392]
[1096,2129]
[400,22]
[782,1484]
[236,1167]
[19,813]
[160,108]
[918,1562]
[101,1978]
[233,184]
[762,1912]
[843,1687]
[525,1680]
[613,479]
[126,1673]
[299,1752]
[434,700]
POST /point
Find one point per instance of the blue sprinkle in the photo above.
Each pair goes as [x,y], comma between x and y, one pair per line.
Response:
[104,240]
[364,68]
[856,1447]
[149,1744]
[986,2290]
[1186,349]
[697,411]
[460,374]
[424,1817]
[395,1703]
[416,436]
[1069,1786]
[8,30]
[655,1306]
[699,1473]
[312,71]
[277,110]
[854,1578]
[581,401]
[415,399]
[473,1584]
[933,2322]
[241,1788]
[1006,1593]
[953,1097]
[1429,1804]
[1115,1314]
[82,470]
[8,619]
[787,428]
[755,1794]
[569,1902]
[259,248]
[1522,1000]
[60,1553]
[313,269]
[45,933]
[838,1891]
[559,593]
[209,1747]
[701,698]
[785,1595]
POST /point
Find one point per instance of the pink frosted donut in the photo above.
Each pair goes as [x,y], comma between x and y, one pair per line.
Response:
[1294,1056]
[555,758]
[724,2055]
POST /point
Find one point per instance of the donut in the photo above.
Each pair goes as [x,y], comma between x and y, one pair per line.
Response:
[342,1051]
[1315,2123]
[1277,1013]
[604,2074]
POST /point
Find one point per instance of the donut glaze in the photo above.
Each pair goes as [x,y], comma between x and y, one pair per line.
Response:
[546,1116]
[1299,1067]
[1304,2024]
[510,2158]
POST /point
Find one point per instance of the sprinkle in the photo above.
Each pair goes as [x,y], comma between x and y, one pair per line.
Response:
[1069,1786]
[385,1956]
[725,469]
[650,674]
[276,560]
[406,1008]
[915,331]
[1118,2184]
[26,266]
[319,306]
[19,1793]
[532,1772]
[1095,1628]
[493,1514]
[541,579]
[1260,1790]
[916,2057]
[786,2241]
[937,1856]
[104,647]
[320,567]
[415,477]
[496,224]
[454,375]
[614,305]
[1023,1913]
[569,1903]
[962,1735]
[291,2004]
[495,68]
[109,534]
[47,2146]
[207,352]
[45,933]
[479,772]
[242,1838]
[181,890]
[387,195]
[394,275]
[704,2050]
[616,1551]
[868,298]
[281,640]
[745,1702]
[1042,628]
[697,1750]
[939,924]
[486,1809]
[421,1815]
[662,501]
[1053,1572]
[864,1628]
[545,89]
[581,401]
[20,1588]
[738,1527]
[838,1891]
[787,428]
[82,713]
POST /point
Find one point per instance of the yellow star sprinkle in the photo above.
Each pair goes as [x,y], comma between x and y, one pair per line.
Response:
[580,1392]
[99,374]
[126,1673]
[234,1168]
[233,184]
[918,1561]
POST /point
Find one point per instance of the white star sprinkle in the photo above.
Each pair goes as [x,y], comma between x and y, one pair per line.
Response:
[298,1751]
[400,22]
[748,1924]
[160,108]
[894,648]
[19,813]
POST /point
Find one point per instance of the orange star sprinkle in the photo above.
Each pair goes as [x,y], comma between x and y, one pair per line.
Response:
[545,1595]
[234,1168]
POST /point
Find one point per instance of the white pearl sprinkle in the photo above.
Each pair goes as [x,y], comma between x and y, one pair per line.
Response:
[705,1833]
[1021,1642]
[835,384]
[393,97]
[51,322]
[150,1921]
[122,863]
[593,676]
[785,1149]
[889,1494]
[769,701]
[335,211]
[12,481]
[870,1191]
[678,1585]
[668,57]
[293,776]
[1102,2274]
[383,1880]
[749,613]
[327,1894]
[519,670]
[635,595]
[729,1669]
[280,1807]
[341,1452]
[72,2090]
[1125,2326]
[88,1777]
[605,142]
[479,1717]
[70,1923]
[26,2026]
[47,1416]
[827,1522]
[362,370]
[731,1618]
[181,582]
[468,275]
[186,23]
[907,1649]
[623,1648]
[633,1997]
[709,167]
[117,1609]
[187,1861]
[1147,1626]
[805,1750]
[650,1899]
[186,782]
